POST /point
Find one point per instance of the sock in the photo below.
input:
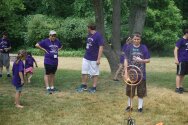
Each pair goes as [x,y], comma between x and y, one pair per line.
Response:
[129,101]
[48,87]
[140,103]
[52,87]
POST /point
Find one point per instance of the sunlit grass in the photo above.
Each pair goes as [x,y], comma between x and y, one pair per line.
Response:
[105,107]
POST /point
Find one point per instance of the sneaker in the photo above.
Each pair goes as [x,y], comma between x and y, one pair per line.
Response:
[116,79]
[1,75]
[49,91]
[81,88]
[8,75]
[54,90]
[140,110]
[128,109]
[181,89]
[178,90]
[92,90]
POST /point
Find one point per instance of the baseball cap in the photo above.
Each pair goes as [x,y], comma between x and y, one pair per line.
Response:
[52,32]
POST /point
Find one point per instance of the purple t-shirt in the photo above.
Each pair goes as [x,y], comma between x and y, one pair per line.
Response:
[122,56]
[29,61]
[17,67]
[50,58]
[142,52]
[4,43]
[93,42]
[182,44]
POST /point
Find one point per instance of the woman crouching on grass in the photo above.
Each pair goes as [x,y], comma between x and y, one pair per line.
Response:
[18,76]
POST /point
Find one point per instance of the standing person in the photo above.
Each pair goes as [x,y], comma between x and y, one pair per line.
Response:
[50,46]
[91,60]
[181,60]
[29,66]
[5,47]
[128,41]
[18,76]
[136,54]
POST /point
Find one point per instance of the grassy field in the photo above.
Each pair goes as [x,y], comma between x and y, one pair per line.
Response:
[105,107]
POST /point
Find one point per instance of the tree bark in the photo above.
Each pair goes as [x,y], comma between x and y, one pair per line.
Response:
[137,15]
[111,54]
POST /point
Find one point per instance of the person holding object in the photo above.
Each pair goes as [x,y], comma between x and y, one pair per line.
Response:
[51,47]
[5,47]
[181,60]
[136,54]
[91,60]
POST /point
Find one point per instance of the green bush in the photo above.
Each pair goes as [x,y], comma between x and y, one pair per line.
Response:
[71,31]
[163,26]
[64,53]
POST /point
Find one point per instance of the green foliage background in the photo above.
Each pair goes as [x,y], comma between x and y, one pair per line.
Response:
[28,22]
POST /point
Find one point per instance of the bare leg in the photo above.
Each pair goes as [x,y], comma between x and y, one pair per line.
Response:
[52,79]
[1,70]
[46,80]
[29,77]
[179,80]
[8,70]
[84,79]
[17,100]
[95,79]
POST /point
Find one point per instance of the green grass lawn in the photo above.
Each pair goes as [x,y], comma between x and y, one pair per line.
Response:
[105,107]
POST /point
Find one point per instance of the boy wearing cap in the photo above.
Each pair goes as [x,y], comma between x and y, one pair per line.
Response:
[181,60]
[50,46]
[5,47]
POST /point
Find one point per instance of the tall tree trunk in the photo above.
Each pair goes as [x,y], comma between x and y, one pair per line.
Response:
[111,52]
[137,15]
[116,20]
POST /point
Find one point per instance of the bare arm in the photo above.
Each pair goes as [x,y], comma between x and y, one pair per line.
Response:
[99,54]
[176,55]
[21,77]
[60,48]
[38,46]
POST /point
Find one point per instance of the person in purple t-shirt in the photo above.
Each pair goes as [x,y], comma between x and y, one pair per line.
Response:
[120,68]
[18,76]
[29,66]
[136,54]
[5,47]
[181,60]
[50,46]
[91,60]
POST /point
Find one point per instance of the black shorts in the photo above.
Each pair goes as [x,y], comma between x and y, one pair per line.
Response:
[182,68]
[50,69]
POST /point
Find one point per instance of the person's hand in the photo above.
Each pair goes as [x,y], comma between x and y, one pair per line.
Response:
[137,59]
[22,82]
[176,61]
[6,49]
[98,61]
[1,50]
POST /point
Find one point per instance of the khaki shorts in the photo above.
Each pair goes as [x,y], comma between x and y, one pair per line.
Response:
[141,90]
[4,60]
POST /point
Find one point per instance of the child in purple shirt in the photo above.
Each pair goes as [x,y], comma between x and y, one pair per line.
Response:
[120,68]
[29,66]
[136,54]
[18,76]
[181,60]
